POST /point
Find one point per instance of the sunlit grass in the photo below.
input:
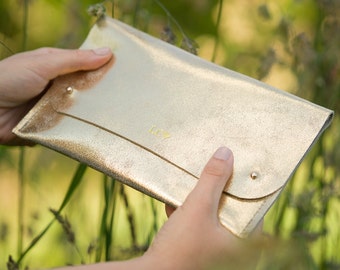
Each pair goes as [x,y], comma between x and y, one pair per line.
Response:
[47,189]
[308,209]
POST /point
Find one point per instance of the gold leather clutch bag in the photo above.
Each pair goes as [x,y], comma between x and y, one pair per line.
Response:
[153,116]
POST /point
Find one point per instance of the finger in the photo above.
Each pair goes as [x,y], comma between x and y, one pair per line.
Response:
[207,193]
[57,62]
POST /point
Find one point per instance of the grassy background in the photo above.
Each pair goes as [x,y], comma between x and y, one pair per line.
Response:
[293,45]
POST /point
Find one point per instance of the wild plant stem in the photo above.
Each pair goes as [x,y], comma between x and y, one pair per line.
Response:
[113,9]
[218,22]
[155,217]
[6,47]
[168,14]
[130,215]
[281,208]
[109,218]
[21,187]
[102,232]
[135,14]
[21,200]
[25,26]
[106,226]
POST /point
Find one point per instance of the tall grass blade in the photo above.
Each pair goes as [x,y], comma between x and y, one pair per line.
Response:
[21,199]
[219,16]
[25,25]
[112,8]
[130,216]
[106,226]
[3,44]
[22,151]
[154,225]
[112,205]
[76,180]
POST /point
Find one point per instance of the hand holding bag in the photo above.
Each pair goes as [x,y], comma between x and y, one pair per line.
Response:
[152,117]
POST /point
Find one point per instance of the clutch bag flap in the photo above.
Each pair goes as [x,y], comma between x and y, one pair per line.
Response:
[154,114]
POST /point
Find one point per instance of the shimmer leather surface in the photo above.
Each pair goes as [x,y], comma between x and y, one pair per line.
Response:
[154,115]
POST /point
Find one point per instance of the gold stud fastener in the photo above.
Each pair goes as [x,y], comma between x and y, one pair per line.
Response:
[254,175]
[69,90]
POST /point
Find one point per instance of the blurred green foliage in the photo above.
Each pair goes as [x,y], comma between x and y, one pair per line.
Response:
[291,44]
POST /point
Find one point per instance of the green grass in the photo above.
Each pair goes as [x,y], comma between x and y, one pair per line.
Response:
[292,45]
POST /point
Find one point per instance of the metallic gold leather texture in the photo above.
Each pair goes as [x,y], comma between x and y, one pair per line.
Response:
[153,116]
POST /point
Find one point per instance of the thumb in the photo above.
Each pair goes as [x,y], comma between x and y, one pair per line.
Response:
[61,61]
[207,193]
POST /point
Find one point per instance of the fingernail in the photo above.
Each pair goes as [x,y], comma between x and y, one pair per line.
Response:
[223,153]
[102,51]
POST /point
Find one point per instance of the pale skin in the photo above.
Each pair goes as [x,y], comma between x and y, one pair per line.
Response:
[193,237]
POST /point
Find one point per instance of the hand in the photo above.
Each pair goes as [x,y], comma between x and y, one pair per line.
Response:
[193,237]
[24,77]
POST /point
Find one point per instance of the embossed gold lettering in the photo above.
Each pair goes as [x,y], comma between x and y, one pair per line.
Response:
[161,133]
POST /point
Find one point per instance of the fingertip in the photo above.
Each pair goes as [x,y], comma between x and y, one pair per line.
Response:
[220,165]
[79,59]
[223,153]
[103,51]
[96,58]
